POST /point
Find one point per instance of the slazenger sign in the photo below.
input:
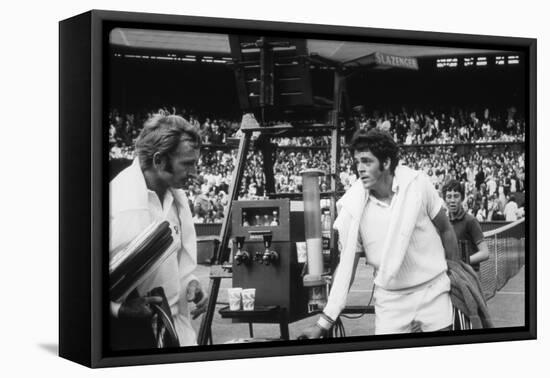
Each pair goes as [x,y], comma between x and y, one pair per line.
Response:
[396,61]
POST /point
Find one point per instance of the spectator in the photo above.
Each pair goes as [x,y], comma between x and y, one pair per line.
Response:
[502,172]
[511,209]
[198,214]
[468,231]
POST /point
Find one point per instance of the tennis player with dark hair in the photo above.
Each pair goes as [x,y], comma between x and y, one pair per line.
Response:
[151,190]
[394,216]
[467,228]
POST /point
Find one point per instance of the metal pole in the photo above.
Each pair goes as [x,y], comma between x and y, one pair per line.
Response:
[339,83]
[206,323]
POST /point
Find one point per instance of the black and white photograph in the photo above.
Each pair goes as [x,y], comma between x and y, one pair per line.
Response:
[272,187]
[275,189]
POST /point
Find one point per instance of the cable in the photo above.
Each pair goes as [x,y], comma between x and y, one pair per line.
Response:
[364,312]
[338,329]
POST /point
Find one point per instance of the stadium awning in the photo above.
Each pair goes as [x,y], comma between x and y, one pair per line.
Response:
[218,45]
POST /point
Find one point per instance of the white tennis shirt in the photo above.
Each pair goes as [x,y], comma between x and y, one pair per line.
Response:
[425,255]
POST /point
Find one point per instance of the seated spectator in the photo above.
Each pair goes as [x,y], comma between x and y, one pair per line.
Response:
[198,214]
[218,218]
[511,209]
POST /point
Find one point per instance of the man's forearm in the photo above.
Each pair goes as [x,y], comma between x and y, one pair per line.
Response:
[337,300]
[481,255]
[450,244]
[447,235]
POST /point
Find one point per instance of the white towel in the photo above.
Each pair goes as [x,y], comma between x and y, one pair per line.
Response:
[350,209]
[402,223]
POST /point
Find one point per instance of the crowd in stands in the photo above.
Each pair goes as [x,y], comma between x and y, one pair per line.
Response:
[439,127]
[124,128]
[493,183]
[490,181]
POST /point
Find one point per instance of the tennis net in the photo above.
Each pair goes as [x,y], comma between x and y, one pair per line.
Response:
[506,246]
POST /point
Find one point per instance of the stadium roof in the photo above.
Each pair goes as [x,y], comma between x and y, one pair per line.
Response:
[218,44]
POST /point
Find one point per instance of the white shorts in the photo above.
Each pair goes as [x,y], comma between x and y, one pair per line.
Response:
[428,307]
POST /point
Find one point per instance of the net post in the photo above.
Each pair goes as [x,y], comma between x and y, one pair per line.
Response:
[496,262]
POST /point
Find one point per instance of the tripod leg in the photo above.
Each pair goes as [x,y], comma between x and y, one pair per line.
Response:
[222,254]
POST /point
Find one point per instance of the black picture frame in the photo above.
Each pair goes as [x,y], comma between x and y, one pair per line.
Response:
[84,190]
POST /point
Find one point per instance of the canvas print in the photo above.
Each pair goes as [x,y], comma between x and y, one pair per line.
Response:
[265,187]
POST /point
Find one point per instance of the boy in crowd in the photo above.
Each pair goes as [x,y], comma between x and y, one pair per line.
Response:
[467,228]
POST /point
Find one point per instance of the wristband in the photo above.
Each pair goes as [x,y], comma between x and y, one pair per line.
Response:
[325,322]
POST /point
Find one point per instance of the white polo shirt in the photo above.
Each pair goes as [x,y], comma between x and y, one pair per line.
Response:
[375,219]
[425,255]
[168,274]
